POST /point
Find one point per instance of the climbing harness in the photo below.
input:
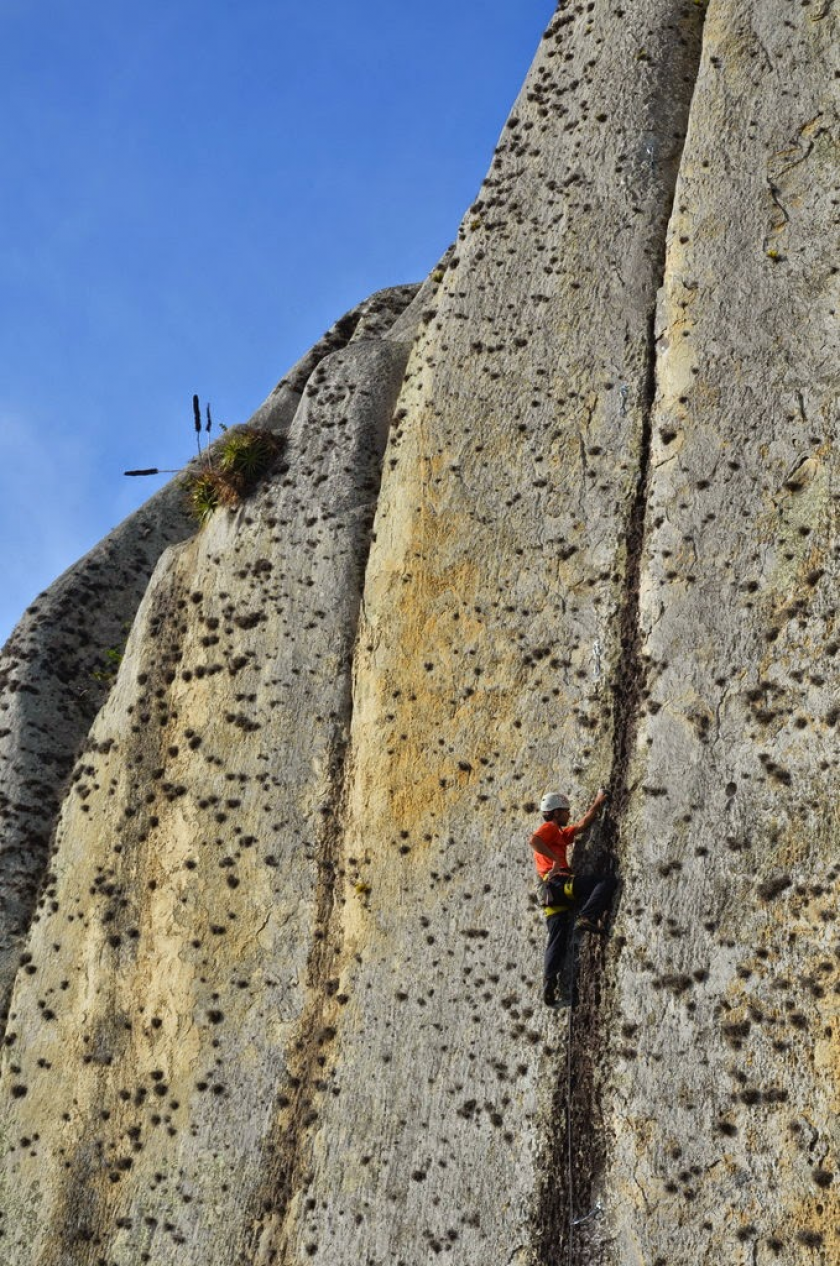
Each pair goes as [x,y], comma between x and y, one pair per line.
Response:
[556,895]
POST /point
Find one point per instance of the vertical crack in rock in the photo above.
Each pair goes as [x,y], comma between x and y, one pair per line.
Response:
[571,1215]
[285,1162]
[585,1158]
[630,672]
[378,370]
[732,804]
[284,1166]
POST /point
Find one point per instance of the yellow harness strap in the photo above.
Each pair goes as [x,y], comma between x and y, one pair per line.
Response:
[568,889]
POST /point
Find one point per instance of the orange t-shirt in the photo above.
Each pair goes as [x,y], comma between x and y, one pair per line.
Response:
[560,837]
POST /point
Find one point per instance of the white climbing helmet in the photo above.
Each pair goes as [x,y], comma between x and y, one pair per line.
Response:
[553,800]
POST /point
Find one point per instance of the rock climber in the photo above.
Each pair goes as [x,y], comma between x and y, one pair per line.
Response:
[563,893]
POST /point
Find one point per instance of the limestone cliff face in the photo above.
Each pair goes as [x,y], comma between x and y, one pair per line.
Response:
[54,669]
[566,516]
[728,978]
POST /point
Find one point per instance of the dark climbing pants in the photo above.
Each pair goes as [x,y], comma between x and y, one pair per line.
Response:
[591,895]
[559,928]
[589,898]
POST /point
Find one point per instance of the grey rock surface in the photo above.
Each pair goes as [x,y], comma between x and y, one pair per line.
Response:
[564,516]
[501,563]
[728,977]
[55,670]
[196,833]
[54,674]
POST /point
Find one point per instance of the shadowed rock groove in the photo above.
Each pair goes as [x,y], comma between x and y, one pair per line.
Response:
[576,1102]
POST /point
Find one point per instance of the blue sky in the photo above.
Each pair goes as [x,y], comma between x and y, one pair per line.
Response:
[193,192]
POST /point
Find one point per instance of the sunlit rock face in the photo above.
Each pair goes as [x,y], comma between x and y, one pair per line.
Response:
[564,517]
[59,664]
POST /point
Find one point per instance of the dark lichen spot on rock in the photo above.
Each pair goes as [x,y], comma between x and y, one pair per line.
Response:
[771,888]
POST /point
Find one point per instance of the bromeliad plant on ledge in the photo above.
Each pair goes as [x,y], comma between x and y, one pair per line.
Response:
[228,473]
[234,469]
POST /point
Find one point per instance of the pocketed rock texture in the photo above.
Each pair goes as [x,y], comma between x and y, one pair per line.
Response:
[566,516]
[726,988]
[55,669]
[194,858]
